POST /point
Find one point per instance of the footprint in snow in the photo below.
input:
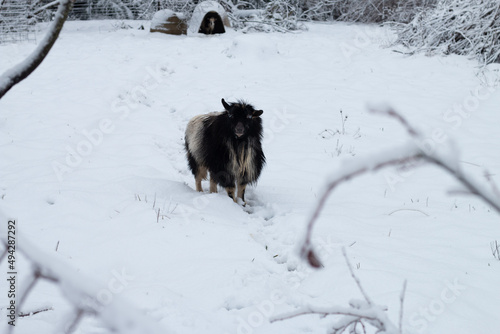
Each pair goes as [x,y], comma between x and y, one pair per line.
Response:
[260,209]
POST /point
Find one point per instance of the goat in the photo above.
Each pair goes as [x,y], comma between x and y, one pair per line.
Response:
[208,24]
[228,145]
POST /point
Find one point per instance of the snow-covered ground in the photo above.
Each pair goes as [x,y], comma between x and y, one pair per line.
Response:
[93,165]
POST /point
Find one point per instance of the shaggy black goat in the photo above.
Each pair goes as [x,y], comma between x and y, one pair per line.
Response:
[208,25]
[212,24]
[228,145]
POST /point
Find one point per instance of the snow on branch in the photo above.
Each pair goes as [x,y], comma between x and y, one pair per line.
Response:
[44,7]
[21,71]
[415,151]
[357,317]
[81,292]
[455,27]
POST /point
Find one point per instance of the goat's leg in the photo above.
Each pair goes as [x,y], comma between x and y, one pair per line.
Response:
[241,192]
[231,193]
[201,174]
[213,184]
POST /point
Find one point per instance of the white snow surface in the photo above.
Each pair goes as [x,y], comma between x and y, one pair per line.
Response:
[162,16]
[93,164]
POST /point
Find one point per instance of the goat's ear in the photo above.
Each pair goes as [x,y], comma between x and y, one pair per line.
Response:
[257,113]
[226,106]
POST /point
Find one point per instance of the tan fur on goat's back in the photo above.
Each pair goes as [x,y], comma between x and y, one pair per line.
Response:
[194,131]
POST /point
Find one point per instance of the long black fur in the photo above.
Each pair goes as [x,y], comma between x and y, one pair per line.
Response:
[218,24]
[219,144]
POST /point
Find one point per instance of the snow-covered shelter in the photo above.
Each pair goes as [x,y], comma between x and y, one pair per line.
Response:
[169,22]
[202,14]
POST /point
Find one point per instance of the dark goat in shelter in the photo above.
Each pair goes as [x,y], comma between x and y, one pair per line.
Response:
[212,24]
[228,145]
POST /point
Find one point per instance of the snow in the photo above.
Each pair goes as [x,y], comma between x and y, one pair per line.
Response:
[162,16]
[93,161]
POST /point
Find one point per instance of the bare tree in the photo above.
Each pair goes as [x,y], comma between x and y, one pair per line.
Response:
[21,71]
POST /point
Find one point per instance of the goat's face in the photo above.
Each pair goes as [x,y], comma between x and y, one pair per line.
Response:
[211,23]
[241,117]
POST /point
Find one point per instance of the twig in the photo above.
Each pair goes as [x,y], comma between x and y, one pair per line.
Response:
[74,324]
[402,120]
[415,210]
[356,279]
[493,186]
[77,287]
[25,292]
[402,301]
[4,253]
[50,4]
[28,314]
[495,249]
[325,312]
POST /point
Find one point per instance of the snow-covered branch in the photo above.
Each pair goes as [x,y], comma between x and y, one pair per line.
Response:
[414,151]
[455,26]
[22,70]
[360,314]
[44,7]
[82,292]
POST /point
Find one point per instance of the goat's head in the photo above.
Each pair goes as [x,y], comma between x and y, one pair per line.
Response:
[241,116]
[211,22]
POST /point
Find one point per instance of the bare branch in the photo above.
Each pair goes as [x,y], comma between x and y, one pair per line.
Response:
[359,312]
[26,289]
[396,157]
[495,249]
[356,279]
[80,291]
[74,324]
[413,210]
[21,71]
[50,4]
[475,188]
[402,301]
[388,111]
[4,253]
[28,314]
[84,296]
[337,310]
[493,186]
